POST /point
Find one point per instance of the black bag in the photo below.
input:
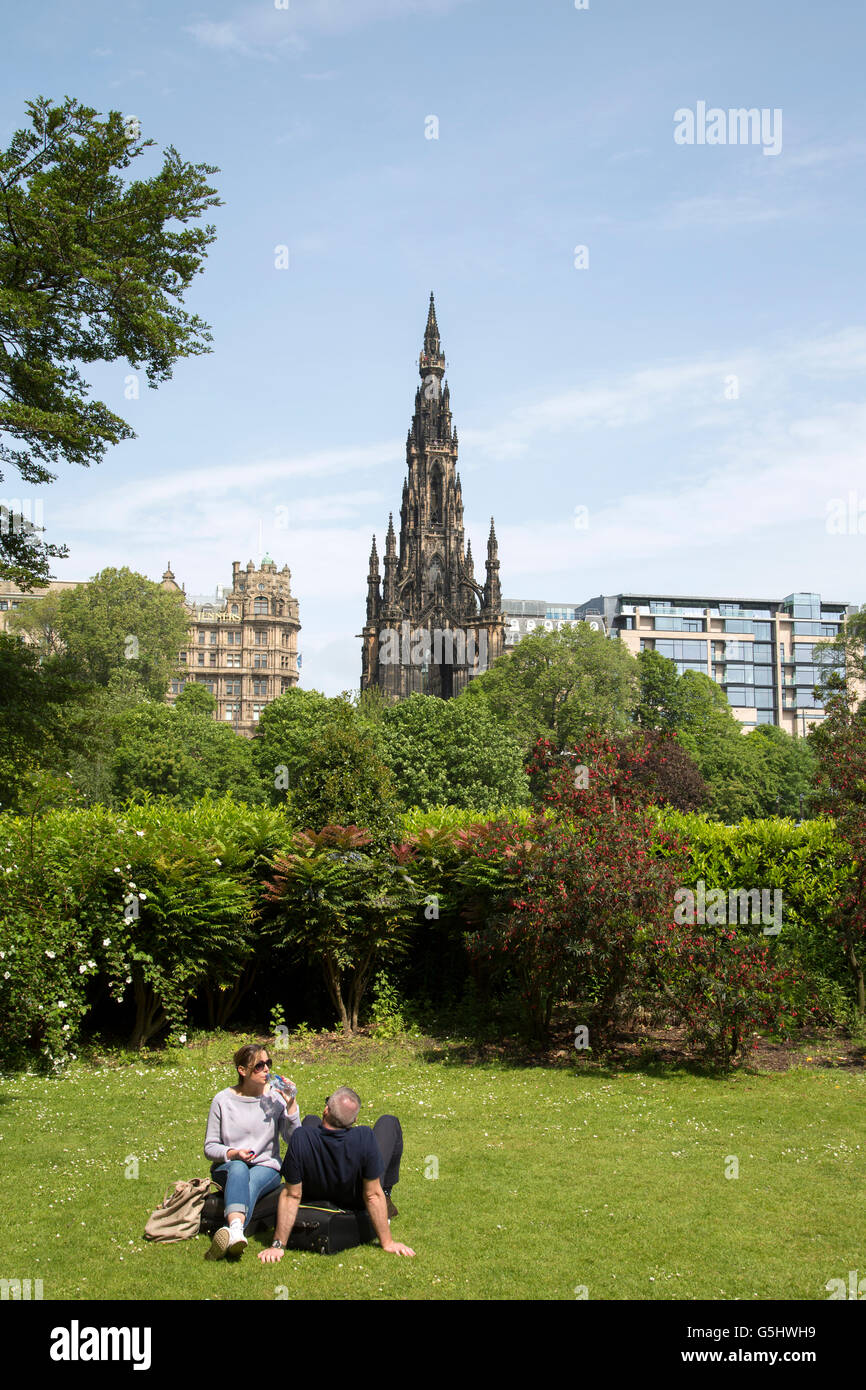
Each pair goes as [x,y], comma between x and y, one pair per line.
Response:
[327,1229]
[323,1228]
[264,1215]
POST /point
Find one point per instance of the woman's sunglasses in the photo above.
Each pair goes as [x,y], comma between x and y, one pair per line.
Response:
[259,1066]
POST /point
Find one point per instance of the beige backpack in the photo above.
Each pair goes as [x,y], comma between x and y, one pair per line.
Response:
[180,1213]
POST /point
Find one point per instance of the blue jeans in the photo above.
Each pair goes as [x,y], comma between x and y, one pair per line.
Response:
[244,1185]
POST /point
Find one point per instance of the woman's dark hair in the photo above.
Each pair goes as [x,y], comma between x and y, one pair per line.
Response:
[246,1055]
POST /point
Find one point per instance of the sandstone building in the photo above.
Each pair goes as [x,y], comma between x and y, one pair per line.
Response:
[431,626]
[243,643]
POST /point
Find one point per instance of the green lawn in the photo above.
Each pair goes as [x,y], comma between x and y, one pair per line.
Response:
[548,1180]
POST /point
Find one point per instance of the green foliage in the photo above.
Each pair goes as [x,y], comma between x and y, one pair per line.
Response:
[344,782]
[119,621]
[559,685]
[450,751]
[344,908]
[287,728]
[26,695]
[91,270]
[53,909]
[840,744]
[761,773]
[181,754]
[387,1009]
[659,706]
[159,903]
[445,817]
[809,865]
[195,699]
[277,1020]
[86,732]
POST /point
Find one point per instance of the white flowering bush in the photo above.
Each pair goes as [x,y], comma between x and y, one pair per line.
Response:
[51,904]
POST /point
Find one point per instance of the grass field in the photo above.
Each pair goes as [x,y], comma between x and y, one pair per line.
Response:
[551,1182]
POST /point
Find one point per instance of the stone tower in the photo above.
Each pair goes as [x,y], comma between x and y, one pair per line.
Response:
[431,626]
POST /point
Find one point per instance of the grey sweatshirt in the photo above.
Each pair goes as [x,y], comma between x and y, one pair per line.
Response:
[249,1122]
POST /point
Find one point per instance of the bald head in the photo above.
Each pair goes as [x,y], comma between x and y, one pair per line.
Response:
[343,1107]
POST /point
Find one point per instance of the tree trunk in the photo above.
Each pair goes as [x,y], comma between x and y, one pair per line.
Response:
[358,986]
[332,980]
[149,1015]
[222,1003]
[857,972]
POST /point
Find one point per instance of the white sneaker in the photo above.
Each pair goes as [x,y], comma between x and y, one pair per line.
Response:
[237,1242]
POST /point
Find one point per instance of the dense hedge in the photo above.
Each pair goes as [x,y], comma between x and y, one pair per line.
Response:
[154,910]
[811,868]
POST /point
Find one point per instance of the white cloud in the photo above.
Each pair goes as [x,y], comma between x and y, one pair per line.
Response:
[258,32]
[733,211]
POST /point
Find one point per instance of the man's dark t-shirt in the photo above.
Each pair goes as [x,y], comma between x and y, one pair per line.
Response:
[330,1164]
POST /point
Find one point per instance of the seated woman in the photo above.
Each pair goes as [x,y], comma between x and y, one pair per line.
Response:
[243,1142]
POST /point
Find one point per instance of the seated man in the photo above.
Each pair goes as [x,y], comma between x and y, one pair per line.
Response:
[332,1161]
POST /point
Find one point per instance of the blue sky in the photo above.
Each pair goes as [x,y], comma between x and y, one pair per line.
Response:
[698,386]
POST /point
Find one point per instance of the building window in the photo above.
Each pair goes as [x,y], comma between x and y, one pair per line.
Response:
[233,658]
[4,604]
[260,605]
[213,638]
[181,656]
[286,685]
[201,658]
[201,639]
[213,658]
[260,660]
[260,687]
[232,712]
[261,637]
[208,684]
[234,638]
[257,709]
[684,650]
[233,687]
[177,687]
[234,610]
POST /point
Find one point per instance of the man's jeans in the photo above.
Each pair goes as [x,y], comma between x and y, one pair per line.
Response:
[244,1185]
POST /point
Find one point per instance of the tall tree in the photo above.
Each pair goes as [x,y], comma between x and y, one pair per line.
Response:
[180,753]
[659,705]
[451,752]
[288,727]
[91,270]
[559,685]
[840,745]
[120,620]
[26,695]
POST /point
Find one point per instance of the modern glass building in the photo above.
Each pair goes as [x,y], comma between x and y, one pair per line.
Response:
[759,650]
